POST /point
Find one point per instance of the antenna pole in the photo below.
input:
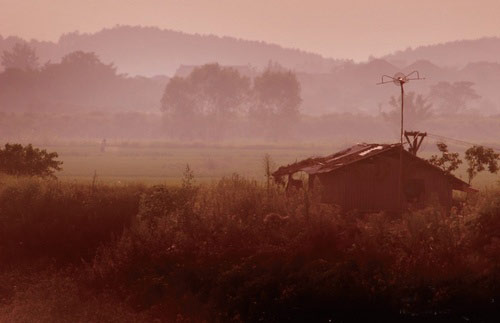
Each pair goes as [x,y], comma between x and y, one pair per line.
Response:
[400,181]
[400,79]
[402,114]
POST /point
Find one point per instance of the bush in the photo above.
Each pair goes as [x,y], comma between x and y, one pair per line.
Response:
[66,222]
[28,161]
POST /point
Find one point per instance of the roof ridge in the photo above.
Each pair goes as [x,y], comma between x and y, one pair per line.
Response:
[325,164]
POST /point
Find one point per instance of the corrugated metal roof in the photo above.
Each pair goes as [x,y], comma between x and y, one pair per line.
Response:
[332,162]
[318,165]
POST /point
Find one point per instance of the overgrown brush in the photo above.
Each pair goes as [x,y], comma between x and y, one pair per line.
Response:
[60,221]
[240,251]
[54,295]
[237,251]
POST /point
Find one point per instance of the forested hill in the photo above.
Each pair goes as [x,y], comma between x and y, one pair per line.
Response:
[451,54]
[151,51]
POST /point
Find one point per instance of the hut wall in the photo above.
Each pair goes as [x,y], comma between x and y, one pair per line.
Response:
[437,188]
[372,185]
[367,185]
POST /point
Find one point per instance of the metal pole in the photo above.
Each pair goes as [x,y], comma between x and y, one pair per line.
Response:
[400,182]
[402,79]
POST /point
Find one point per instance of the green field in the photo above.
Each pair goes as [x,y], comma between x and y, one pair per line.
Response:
[164,162]
[155,163]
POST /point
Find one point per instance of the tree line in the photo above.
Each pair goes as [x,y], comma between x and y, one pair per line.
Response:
[213,102]
[213,99]
[79,81]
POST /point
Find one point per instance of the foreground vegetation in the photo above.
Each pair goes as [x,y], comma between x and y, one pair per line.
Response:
[238,251]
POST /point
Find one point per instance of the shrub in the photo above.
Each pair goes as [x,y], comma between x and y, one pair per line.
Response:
[28,161]
[66,222]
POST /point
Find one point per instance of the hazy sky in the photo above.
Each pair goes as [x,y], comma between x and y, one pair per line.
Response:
[341,29]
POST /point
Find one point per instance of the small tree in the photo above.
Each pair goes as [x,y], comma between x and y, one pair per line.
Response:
[277,100]
[453,97]
[206,102]
[28,161]
[277,93]
[447,161]
[22,57]
[417,110]
[478,158]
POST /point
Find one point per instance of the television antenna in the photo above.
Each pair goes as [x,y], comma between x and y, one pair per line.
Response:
[400,79]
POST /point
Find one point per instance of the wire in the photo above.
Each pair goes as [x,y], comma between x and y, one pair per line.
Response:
[465,143]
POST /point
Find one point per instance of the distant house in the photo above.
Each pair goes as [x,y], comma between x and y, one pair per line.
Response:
[365,177]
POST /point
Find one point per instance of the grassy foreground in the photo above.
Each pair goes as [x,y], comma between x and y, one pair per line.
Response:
[235,250]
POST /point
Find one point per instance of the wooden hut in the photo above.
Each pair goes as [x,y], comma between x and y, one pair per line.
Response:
[365,177]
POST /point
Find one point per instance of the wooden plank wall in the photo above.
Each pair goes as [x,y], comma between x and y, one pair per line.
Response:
[372,184]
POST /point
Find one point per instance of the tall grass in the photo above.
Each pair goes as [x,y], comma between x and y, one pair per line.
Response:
[63,222]
[240,251]
[235,251]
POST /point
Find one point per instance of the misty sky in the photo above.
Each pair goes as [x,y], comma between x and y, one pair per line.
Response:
[340,29]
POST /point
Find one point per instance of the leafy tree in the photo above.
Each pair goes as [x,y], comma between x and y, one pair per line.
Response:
[207,99]
[18,88]
[22,57]
[278,93]
[276,105]
[28,161]
[453,97]
[220,89]
[417,109]
[448,162]
[79,77]
[89,62]
[84,66]
[177,98]
[480,157]
[209,90]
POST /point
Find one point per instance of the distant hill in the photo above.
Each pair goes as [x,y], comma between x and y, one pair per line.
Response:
[451,54]
[328,85]
[151,51]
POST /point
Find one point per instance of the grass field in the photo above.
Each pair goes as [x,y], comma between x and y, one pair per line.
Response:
[231,250]
[160,163]
[163,163]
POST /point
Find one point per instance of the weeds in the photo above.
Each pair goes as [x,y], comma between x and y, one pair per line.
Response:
[64,222]
[240,251]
